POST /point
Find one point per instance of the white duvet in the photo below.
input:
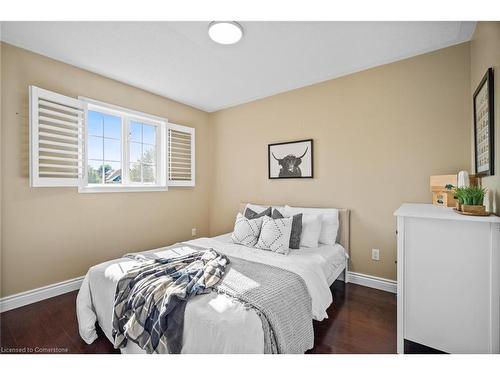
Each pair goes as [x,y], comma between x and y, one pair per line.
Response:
[213,323]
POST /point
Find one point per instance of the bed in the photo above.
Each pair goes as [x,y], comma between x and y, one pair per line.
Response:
[213,322]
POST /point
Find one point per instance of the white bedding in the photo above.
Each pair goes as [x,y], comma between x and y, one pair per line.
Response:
[331,259]
[213,323]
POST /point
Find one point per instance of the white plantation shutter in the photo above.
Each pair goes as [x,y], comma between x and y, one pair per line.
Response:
[56,139]
[181,155]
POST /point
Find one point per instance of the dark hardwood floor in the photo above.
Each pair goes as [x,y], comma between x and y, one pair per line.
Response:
[361,320]
[48,325]
[415,348]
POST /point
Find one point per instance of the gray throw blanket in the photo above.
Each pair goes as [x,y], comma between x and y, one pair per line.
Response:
[279,297]
[281,300]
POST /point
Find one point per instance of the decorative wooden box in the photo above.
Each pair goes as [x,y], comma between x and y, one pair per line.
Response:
[444,198]
[442,190]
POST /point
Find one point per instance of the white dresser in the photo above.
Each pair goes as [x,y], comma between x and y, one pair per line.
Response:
[448,279]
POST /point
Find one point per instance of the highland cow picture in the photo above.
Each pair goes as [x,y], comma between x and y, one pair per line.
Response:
[290,159]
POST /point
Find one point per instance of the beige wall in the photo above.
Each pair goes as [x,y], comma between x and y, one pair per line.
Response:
[54,234]
[485,53]
[378,136]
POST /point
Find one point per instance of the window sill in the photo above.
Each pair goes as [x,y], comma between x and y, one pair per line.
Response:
[120,189]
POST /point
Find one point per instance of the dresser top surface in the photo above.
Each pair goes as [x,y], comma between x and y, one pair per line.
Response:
[432,211]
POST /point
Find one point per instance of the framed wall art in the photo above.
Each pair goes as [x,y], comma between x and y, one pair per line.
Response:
[290,159]
[484,144]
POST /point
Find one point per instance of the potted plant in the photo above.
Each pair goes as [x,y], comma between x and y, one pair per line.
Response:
[471,199]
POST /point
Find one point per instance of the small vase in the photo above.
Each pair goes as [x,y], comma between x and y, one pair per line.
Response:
[458,206]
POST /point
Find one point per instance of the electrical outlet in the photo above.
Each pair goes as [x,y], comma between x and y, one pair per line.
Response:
[193,232]
[375,254]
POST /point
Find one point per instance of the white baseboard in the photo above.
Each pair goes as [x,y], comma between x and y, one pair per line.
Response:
[372,281]
[31,296]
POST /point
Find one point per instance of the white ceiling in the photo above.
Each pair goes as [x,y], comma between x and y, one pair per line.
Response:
[179,61]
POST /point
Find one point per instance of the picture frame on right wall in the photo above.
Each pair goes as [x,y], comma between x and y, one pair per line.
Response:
[484,127]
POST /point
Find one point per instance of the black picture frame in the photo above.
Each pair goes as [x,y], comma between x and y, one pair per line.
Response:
[484,134]
[272,158]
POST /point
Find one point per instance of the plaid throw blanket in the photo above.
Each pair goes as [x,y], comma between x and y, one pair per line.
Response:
[151,298]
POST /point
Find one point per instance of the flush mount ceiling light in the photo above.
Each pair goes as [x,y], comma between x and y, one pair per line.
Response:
[225,32]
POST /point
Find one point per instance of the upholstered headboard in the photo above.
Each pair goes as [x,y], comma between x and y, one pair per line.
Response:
[344,224]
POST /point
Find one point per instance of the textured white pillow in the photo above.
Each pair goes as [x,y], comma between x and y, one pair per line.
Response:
[246,231]
[329,221]
[311,229]
[275,235]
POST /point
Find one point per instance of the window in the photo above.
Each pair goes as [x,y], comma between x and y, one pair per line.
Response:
[142,164]
[104,148]
[104,153]
[126,150]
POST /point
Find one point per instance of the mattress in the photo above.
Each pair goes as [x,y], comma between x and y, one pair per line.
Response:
[213,322]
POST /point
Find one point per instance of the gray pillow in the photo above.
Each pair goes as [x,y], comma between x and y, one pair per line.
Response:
[251,214]
[296,228]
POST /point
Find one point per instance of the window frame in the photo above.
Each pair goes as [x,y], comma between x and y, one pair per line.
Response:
[127,115]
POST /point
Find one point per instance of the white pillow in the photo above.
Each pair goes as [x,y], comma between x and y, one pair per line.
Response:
[246,232]
[329,223]
[311,229]
[275,235]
